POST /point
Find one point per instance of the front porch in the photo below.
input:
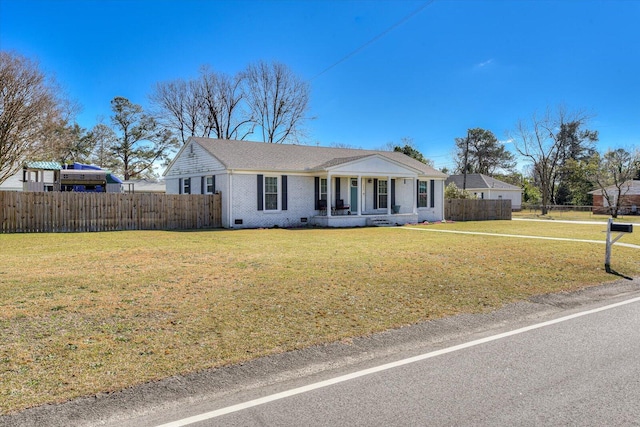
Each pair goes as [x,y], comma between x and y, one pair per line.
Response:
[363,220]
[369,191]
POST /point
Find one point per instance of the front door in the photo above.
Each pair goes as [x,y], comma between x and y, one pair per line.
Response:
[354,195]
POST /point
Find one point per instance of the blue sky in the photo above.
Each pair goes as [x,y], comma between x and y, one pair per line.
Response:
[451,66]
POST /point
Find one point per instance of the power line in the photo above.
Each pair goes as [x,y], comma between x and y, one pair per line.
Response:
[376,38]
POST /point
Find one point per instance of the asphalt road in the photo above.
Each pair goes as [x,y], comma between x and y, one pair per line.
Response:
[569,359]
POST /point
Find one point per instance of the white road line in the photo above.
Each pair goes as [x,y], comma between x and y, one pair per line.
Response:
[518,236]
[282,395]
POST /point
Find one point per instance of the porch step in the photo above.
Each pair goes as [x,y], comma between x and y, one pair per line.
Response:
[379,222]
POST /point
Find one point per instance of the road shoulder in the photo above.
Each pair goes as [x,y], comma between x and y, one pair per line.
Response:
[134,405]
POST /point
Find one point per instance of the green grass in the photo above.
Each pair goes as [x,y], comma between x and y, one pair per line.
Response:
[97,312]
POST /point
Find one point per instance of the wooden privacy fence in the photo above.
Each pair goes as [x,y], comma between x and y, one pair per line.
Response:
[32,212]
[476,210]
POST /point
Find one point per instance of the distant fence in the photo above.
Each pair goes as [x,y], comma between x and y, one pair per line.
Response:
[535,207]
[624,209]
[37,212]
[476,210]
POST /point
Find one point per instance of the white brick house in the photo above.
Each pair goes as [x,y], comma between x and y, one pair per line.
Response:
[267,185]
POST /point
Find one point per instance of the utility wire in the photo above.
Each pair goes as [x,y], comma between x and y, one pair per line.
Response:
[376,38]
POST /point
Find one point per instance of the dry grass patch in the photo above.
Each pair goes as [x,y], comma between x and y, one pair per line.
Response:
[96,312]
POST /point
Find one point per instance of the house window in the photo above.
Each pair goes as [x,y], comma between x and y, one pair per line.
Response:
[210,186]
[323,188]
[186,186]
[382,194]
[422,194]
[270,193]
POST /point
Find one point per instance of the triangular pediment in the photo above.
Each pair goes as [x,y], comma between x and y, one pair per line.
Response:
[374,164]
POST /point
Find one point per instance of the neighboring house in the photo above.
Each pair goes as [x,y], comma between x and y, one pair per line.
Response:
[34,176]
[485,187]
[267,185]
[143,186]
[630,203]
[13,183]
[51,176]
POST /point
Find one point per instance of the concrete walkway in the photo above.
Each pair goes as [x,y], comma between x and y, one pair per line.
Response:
[564,221]
[517,236]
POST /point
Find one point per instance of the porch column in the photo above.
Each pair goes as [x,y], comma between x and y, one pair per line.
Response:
[328,194]
[415,195]
[388,195]
[359,196]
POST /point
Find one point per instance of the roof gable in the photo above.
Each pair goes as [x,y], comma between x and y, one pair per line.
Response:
[366,164]
[629,188]
[261,156]
[480,181]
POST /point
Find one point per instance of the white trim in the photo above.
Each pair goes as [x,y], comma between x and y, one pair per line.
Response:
[359,196]
[412,171]
[389,191]
[278,194]
[184,182]
[206,184]
[329,193]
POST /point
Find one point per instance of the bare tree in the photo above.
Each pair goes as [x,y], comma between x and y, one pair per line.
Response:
[613,173]
[341,145]
[222,98]
[543,144]
[278,101]
[180,108]
[207,106]
[30,111]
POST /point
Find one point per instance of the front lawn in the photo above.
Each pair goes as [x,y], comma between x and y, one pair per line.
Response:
[96,312]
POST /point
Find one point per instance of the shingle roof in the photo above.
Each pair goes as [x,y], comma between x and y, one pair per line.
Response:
[629,188]
[247,155]
[480,181]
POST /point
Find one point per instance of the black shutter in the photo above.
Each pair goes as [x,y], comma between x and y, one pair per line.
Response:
[284,192]
[260,193]
[417,192]
[432,191]
[337,190]
[179,185]
[393,192]
[213,183]
[203,184]
[316,192]
[375,193]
